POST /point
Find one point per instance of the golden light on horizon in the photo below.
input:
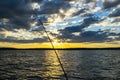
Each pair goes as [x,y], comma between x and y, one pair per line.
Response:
[60,45]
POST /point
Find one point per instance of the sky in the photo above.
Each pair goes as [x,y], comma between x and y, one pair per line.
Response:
[75,22]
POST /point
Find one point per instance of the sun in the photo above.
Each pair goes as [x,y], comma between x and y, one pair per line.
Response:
[56,43]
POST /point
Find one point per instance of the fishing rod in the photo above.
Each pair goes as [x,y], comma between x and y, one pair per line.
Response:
[56,52]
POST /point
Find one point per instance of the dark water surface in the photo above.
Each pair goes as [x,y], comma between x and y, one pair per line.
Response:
[44,65]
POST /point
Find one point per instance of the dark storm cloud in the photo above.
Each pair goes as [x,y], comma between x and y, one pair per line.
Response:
[118,38]
[115,13]
[11,39]
[79,12]
[22,22]
[16,11]
[88,1]
[19,11]
[86,22]
[92,36]
[89,36]
[50,7]
[110,3]
[12,8]
[16,8]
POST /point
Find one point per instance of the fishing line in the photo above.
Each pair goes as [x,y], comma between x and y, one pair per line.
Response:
[56,52]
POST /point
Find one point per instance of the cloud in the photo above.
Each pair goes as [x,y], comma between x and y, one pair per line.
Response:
[92,30]
[21,35]
[89,36]
[24,16]
[110,24]
[85,23]
[14,8]
[20,11]
[53,6]
[67,20]
[116,13]
[17,11]
[110,3]
[92,36]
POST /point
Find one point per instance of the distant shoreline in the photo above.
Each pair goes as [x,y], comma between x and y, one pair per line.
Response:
[60,48]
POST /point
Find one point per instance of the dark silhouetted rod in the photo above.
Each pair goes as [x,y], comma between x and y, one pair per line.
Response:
[56,52]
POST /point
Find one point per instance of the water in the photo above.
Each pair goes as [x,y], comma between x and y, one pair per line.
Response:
[44,65]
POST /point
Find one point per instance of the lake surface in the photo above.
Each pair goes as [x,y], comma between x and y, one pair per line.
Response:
[44,65]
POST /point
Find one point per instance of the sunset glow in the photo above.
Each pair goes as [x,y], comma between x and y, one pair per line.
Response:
[57,45]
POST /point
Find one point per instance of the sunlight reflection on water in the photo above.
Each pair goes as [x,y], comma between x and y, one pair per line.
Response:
[54,69]
[29,64]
